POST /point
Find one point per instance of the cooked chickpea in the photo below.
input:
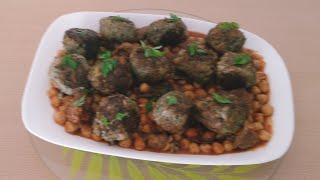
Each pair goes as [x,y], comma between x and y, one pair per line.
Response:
[96,137]
[208,136]
[200,93]
[264,135]
[201,40]
[52,92]
[191,133]
[264,86]
[256,126]
[144,88]
[125,143]
[205,148]
[217,148]
[194,148]
[144,119]
[189,94]
[71,127]
[268,124]
[146,128]
[86,131]
[184,144]
[142,100]
[258,117]
[55,101]
[255,90]
[262,98]
[177,137]
[188,87]
[261,76]
[267,110]
[59,117]
[228,146]
[196,85]
[211,90]
[139,144]
[143,111]
[259,64]
[122,60]
[256,106]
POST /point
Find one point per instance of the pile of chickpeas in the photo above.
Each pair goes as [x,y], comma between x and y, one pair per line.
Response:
[194,140]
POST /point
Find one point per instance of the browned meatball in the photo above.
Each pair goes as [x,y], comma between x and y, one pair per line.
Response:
[171,111]
[116,117]
[226,36]
[246,139]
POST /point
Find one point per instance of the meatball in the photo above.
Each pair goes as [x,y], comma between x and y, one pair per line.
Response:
[85,42]
[116,30]
[149,69]
[226,36]
[197,65]
[236,71]
[225,113]
[168,31]
[246,139]
[171,111]
[116,117]
[118,79]
[69,73]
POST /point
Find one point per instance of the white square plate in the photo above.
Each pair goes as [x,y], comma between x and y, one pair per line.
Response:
[37,112]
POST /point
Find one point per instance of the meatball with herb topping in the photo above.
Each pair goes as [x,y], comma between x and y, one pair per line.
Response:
[85,42]
[149,63]
[116,30]
[168,31]
[226,36]
[116,117]
[236,71]
[69,73]
[108,75]
[196,63]
[171,111]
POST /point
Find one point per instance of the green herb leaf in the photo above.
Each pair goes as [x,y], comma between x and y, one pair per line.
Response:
[174,18]
[79,102]
[109,64]
[242,59]
[193,49]
[171,100]
[221,99]
[120,116]
[105,121]
[149,106]
[152,52]
[228,26]
[70,62]
[119,18]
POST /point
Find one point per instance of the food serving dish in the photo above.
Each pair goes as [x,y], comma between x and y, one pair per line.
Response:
[36,110]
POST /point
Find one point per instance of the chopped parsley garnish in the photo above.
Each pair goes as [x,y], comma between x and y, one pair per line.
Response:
[228,26]
[152,52]
[149,106]
[221,99]
[68,61]
[172,100]
[109,64]
[120,116]
[105,121]
[79,102]
[119,18]
[193,49]
[242,59]
[174,18]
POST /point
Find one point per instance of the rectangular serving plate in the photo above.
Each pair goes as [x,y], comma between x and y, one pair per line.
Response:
[37,113]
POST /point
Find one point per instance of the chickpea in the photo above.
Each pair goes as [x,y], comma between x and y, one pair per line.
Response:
[86,131]
[191,133]
[262,98]
[217,148]
[59,117]
[200,93]
[211,90]
[55,101]
[122,60]
[208,136]
[142,100]
[268,124]
[177,137]
[259,64]
[71,127]
[201,40]
[228,146]
[264,135]
[52,92]
[196,85]
[189,94]
[256,126]
[258,117]
[184,143]
[96,137]
[126,143]
[143,111]
[139,144]
[205,148]
[267,110]
[188,87]
[194,148]
[261,76]
[144,119]
[256,106]
[264,86]
[255,90]
[144,88]
[146,128]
